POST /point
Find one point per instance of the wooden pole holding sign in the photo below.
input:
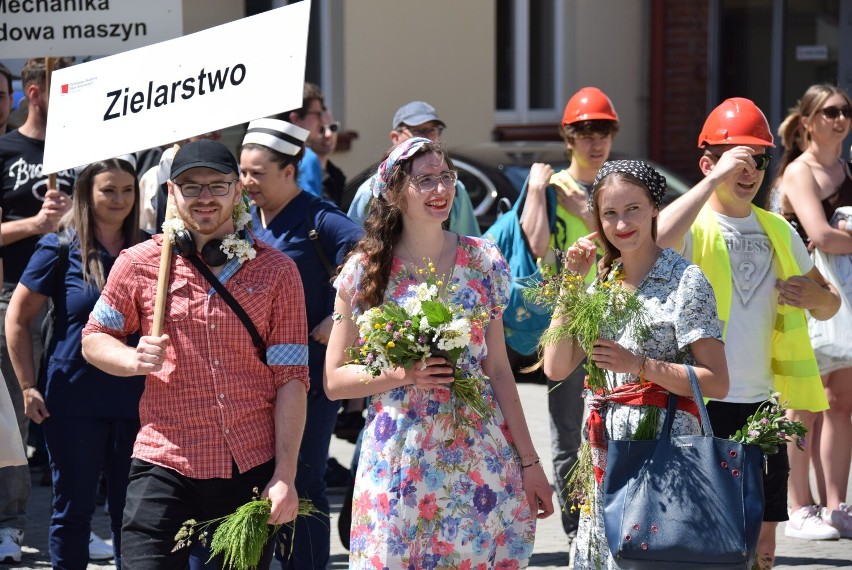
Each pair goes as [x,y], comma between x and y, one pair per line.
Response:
[48,70]
[165,269]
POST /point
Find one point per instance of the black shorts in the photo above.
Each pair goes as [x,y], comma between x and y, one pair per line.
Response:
[726,418]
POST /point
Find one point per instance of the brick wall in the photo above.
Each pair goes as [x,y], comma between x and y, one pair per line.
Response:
[680,114]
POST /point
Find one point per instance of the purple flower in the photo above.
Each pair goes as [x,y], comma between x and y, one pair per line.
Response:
[407,323]
[389,327]
[362,341]
[422,339]
[484,500]
[753,432]
[764,421]
[385,427]
[371,358]
[396,335]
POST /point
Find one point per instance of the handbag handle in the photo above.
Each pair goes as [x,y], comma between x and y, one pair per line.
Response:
[699,402]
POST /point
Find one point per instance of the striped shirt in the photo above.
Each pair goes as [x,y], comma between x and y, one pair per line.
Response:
[212,402]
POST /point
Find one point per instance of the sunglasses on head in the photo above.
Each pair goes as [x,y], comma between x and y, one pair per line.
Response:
[833,112]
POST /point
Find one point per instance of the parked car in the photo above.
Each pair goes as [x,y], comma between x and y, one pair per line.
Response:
[494,173]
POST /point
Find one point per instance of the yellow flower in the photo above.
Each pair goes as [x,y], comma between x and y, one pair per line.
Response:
[377,326]
[391,344]
[440,283]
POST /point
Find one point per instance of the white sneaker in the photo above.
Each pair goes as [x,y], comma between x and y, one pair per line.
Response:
[98,548]
[807,524]
[10,544]
[841,519]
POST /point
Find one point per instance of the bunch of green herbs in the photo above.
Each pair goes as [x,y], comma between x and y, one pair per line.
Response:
[240,537]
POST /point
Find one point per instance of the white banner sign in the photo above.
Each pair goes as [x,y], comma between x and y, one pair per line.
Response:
[167,92]
[39,28]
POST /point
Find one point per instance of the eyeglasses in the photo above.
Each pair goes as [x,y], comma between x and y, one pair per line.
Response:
[833,112]
[331,128]
[425,132]
[429,182]
[193,190]
[761,161]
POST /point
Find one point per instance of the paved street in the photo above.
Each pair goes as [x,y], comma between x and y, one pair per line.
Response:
[550,549]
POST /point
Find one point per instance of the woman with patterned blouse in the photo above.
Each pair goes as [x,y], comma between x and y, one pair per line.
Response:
[684,329]
[431,492]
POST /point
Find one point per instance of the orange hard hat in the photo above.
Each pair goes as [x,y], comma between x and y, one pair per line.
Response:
[588,104]
[736,121]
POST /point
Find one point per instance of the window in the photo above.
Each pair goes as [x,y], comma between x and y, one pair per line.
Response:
[529,60]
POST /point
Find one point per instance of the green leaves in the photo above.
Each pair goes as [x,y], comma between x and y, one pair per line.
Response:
[436,313]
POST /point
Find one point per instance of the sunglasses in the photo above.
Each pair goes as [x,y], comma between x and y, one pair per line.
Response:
[761,161]
[331,128]
[833,112]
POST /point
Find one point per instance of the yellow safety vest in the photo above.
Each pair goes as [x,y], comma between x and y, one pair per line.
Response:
[794,367]
[573,227]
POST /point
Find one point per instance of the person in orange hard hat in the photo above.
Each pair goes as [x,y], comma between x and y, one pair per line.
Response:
[763,280]
[589,124]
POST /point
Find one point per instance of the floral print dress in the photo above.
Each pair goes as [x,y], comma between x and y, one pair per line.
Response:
[681,309]
[432,492]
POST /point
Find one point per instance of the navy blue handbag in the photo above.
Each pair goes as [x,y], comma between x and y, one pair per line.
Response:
[683,502]
[523,322]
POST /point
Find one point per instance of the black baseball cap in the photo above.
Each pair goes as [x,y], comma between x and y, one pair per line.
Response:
[204,153]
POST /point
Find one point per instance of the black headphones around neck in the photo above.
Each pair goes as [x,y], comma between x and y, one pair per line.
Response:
[211,253]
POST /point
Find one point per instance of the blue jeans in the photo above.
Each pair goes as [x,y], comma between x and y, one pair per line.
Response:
[308,544]
[80,448]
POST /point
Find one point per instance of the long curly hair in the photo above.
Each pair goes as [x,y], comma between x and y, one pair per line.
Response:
[383,228]
[610,252]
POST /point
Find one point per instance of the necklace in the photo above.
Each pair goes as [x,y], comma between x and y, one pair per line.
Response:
[418,270]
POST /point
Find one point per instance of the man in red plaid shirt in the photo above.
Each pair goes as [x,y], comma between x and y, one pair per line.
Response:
[217,420]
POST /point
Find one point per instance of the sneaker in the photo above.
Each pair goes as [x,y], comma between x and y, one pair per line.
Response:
[840,519]
[99,549]
[10,544]
[807,524]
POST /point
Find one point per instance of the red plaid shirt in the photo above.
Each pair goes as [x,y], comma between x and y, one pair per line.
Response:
[212,402]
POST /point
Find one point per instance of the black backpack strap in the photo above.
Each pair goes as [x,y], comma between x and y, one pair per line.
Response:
[62,259]
[313,236]
[235,306]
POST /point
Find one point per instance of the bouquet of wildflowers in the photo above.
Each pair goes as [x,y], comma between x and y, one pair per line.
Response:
[393,335]
[768,427]
[242,535]
[603,310]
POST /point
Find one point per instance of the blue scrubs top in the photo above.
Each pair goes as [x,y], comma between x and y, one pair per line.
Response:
[75,387]
[288,232]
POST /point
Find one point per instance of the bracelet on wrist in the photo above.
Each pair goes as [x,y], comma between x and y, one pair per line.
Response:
[536,462]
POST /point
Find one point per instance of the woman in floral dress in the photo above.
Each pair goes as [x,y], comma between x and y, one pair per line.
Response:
[684,329]
[437,485]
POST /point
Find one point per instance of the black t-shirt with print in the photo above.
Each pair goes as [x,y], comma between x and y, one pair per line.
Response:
[22,190]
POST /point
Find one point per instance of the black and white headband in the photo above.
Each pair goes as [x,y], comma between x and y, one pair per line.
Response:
[642,171]
[278,135]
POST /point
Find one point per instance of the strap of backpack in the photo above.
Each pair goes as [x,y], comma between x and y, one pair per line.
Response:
[235,306]
[313,236]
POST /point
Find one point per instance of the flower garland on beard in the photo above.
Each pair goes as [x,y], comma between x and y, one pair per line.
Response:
[233,245]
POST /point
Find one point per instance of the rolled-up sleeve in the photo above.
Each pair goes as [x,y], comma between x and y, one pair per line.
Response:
[287,345]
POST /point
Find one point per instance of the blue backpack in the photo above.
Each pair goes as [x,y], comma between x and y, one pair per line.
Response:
[523,322]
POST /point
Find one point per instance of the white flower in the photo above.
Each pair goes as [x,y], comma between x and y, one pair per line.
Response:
[455,334]
[233,245]
[426,292]
[412,306]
